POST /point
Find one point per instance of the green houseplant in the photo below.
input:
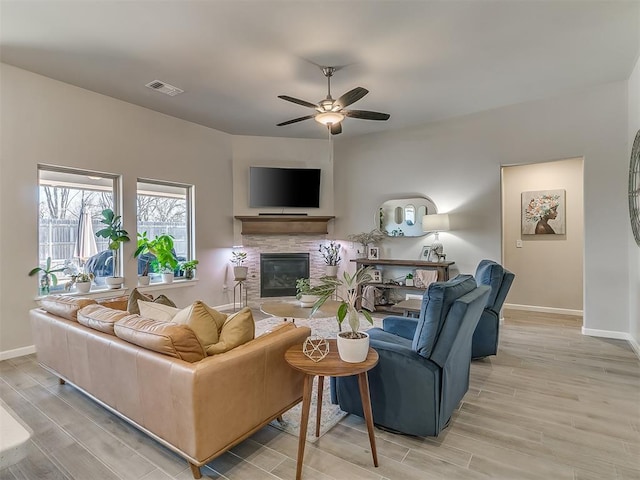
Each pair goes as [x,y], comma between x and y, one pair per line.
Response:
[48,276]
[365,239]
[306,293]
[116,235]
[353,345]
[239,270]
[189,268]
[166,261]
[81,280]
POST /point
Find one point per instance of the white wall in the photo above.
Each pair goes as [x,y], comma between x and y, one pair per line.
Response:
[457,163]
[46,121]
[634,250]
[548,267]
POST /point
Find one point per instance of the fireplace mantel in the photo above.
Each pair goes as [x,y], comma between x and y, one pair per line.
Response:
[278,224]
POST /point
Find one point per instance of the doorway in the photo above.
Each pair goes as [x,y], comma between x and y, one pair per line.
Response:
[542,246]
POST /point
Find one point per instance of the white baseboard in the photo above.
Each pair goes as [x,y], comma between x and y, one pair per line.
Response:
[592,332]
[535,308]
[17,352]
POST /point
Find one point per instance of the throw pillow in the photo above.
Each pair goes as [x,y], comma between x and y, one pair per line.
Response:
[205,321]
[132,304]
[117,303]
[177,341]
[157,311]
[239,328]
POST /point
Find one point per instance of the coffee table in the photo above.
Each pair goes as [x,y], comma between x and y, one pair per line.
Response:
[293,309]
[331,366]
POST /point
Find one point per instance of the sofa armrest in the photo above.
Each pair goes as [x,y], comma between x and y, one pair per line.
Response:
[404,327]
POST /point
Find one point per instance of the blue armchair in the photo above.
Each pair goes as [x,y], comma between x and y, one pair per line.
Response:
[423,371]
[485,338]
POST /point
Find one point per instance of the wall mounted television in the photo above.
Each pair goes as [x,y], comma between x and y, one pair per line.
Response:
[284,187]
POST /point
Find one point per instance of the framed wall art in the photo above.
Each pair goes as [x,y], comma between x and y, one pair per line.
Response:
[424,253]
[544,212]
[374,253]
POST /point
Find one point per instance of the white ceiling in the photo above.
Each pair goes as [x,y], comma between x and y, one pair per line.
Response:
[422,61]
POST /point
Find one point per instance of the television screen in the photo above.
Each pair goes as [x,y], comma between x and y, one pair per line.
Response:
[284,187]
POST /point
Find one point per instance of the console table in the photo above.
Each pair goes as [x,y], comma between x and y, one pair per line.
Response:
[441,267]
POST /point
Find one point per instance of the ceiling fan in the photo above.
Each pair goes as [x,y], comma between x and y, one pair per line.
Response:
[331,112]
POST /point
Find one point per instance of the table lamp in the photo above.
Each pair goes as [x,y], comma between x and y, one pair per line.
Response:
[436,223]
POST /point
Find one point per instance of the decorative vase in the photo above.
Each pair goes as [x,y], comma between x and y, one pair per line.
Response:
[114,282]
[144,280]
[167,277]
[308,300]
[240,273]
[83,287]
[331,270]
[353,350]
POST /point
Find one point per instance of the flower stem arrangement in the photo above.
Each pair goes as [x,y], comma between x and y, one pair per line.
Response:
[239,270]
[48,276]
[367,238]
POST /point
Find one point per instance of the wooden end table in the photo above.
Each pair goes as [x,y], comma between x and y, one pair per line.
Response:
[330,366]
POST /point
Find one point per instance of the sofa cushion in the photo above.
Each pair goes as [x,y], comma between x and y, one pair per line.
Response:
[65,306]
[132,305]
[100,317]
[238,328]
[117,303]
[157,311]
[436,303]
[205,321]
[168,338]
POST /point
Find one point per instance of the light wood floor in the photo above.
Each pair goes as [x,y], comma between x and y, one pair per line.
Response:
[553,404]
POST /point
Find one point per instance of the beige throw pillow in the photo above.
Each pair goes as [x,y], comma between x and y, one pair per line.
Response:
[101,318]
[205,321]
[132,305]
[239,328]
[157,311]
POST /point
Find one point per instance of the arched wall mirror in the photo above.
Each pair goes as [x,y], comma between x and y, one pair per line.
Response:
[403,217]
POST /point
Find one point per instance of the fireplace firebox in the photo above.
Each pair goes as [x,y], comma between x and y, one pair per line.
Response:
[279,272]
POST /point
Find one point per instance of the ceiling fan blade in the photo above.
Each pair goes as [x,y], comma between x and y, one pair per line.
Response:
[365,114]
[295,120]
[352,96]
[336,128]
[304,103]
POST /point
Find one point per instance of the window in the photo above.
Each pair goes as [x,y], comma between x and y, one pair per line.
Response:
[66,195]
[165,208]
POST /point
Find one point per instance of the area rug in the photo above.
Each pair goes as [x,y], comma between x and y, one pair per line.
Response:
[331,414]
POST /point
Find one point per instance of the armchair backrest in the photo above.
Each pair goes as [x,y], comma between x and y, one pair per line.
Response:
[436,303]
[498,278]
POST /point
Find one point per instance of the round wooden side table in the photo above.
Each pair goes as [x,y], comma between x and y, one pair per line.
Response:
[330,366]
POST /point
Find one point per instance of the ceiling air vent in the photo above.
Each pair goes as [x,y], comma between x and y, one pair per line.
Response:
[164,88]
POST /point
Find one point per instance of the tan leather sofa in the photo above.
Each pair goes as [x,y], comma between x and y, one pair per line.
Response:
[199,410]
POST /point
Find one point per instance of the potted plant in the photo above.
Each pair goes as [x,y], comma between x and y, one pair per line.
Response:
[117,236]
[162,248]
[239,270]
[82,281]
[189,268]
[331,256]
[365,239]
[48,276]
[144,248]
[353,345]
[306,293]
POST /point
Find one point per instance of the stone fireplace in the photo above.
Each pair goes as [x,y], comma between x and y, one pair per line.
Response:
[279,272]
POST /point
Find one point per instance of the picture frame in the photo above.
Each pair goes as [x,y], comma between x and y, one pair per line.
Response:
[376,276]
[424,253]
[543,212]
[374,253]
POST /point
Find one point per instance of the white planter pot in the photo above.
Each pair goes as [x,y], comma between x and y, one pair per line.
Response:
[353,350]
[167,277]
[240,273]
[83,287]
[331,270]
[144,280]
[114,282]
[308,300]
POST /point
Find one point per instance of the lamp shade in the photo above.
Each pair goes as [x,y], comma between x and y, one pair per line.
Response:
[438,222]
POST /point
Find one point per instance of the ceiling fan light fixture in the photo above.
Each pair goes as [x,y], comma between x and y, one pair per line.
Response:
[329,118]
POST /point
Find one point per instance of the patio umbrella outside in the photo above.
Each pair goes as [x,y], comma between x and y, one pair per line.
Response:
[86,241]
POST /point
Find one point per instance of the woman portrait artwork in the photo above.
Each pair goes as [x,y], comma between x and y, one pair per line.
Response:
[543,212]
